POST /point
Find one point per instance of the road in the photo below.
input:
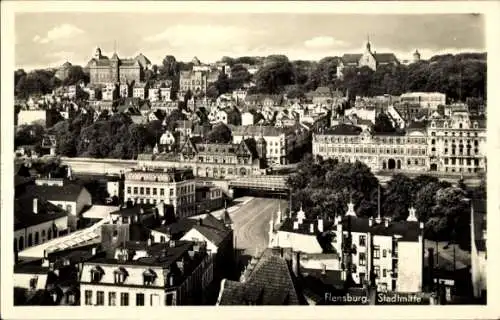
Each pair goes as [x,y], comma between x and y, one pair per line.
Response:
[462,258]
[251,223]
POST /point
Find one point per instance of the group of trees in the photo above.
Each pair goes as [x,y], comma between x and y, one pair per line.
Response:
[45,81]
[459,76]
[323,188]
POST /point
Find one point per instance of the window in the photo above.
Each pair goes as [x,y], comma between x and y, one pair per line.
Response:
[171,192]
[362,241]
[129,190]
[33,283]
[112,298]
[96,274]
[120,275]
[362,259]
[162,192]
[100,298]
[376,271]
[135,190]
[88,297]
[376,252]
[139,299]
[154,191]
[124,299]
[142,190]
[169,299]
[155,300]
[149,277]
[384,273]
[148,191]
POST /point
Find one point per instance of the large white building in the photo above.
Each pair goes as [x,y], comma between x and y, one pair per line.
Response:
[147,274]
[457,143]
[392,250]
[175,187]
[389,151]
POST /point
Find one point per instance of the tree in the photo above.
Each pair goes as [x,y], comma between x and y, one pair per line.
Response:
[275,75]
[169,68]
[76,75]
[383,124]
[425,200]
[220,133]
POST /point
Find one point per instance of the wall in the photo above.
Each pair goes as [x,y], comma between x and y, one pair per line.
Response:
[385,243]
[298,242]
[409,267]
[119,289]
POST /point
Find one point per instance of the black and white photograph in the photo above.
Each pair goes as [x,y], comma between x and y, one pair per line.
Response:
[176,157]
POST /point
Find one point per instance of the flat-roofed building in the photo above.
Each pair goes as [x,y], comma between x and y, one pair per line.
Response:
[172,186]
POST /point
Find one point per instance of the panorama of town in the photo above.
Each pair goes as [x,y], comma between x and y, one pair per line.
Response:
[355,179]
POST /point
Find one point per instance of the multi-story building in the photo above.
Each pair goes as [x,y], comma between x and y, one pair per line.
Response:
[393,251]
[125,90]
[195,81]
[430,100]
[175,187]
[380,151]
[214,160]
[115,70]
[282,144]
[457,143]
[109,92]
[140,90]
[146,274]
[37,221]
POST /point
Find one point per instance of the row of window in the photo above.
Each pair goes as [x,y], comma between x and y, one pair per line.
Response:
[460,134]
[228,160]
[34,239]
[410,151]
[460,125]
[140,299]
[461,162]
[399,140]
[453,141]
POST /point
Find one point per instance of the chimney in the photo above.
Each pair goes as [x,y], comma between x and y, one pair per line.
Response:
[200,222]
[172,243]
[296,263]
[35,205]
[386,222]
[295,225]
[370,221]
[149,242]
[323,268]
[320,225]
[311,228]
[94,251]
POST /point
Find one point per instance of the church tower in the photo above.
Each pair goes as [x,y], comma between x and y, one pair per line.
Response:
[416,56]
[368,48]
[261,149]
[97,54]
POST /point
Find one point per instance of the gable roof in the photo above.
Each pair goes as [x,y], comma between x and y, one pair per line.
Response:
[385,57]
[25,217]
[269,283]
[212,229]
[351,58]
[68,192]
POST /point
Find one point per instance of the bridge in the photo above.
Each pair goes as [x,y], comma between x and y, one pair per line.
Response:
[275,184]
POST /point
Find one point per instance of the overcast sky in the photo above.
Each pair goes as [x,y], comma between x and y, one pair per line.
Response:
[50,39]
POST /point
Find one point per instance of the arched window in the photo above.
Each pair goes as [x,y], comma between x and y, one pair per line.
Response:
[30,240]
[37,238]
[49,234]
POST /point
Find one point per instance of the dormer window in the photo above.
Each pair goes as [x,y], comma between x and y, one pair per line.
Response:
[433,124]
[120,275]
[475,125]
[149,277]
[96,274]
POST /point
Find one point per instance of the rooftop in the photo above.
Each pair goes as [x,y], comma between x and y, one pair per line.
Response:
[24,215]
[68,192]
[268,283]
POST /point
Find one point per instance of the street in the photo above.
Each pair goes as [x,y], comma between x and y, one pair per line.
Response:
[251,223]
